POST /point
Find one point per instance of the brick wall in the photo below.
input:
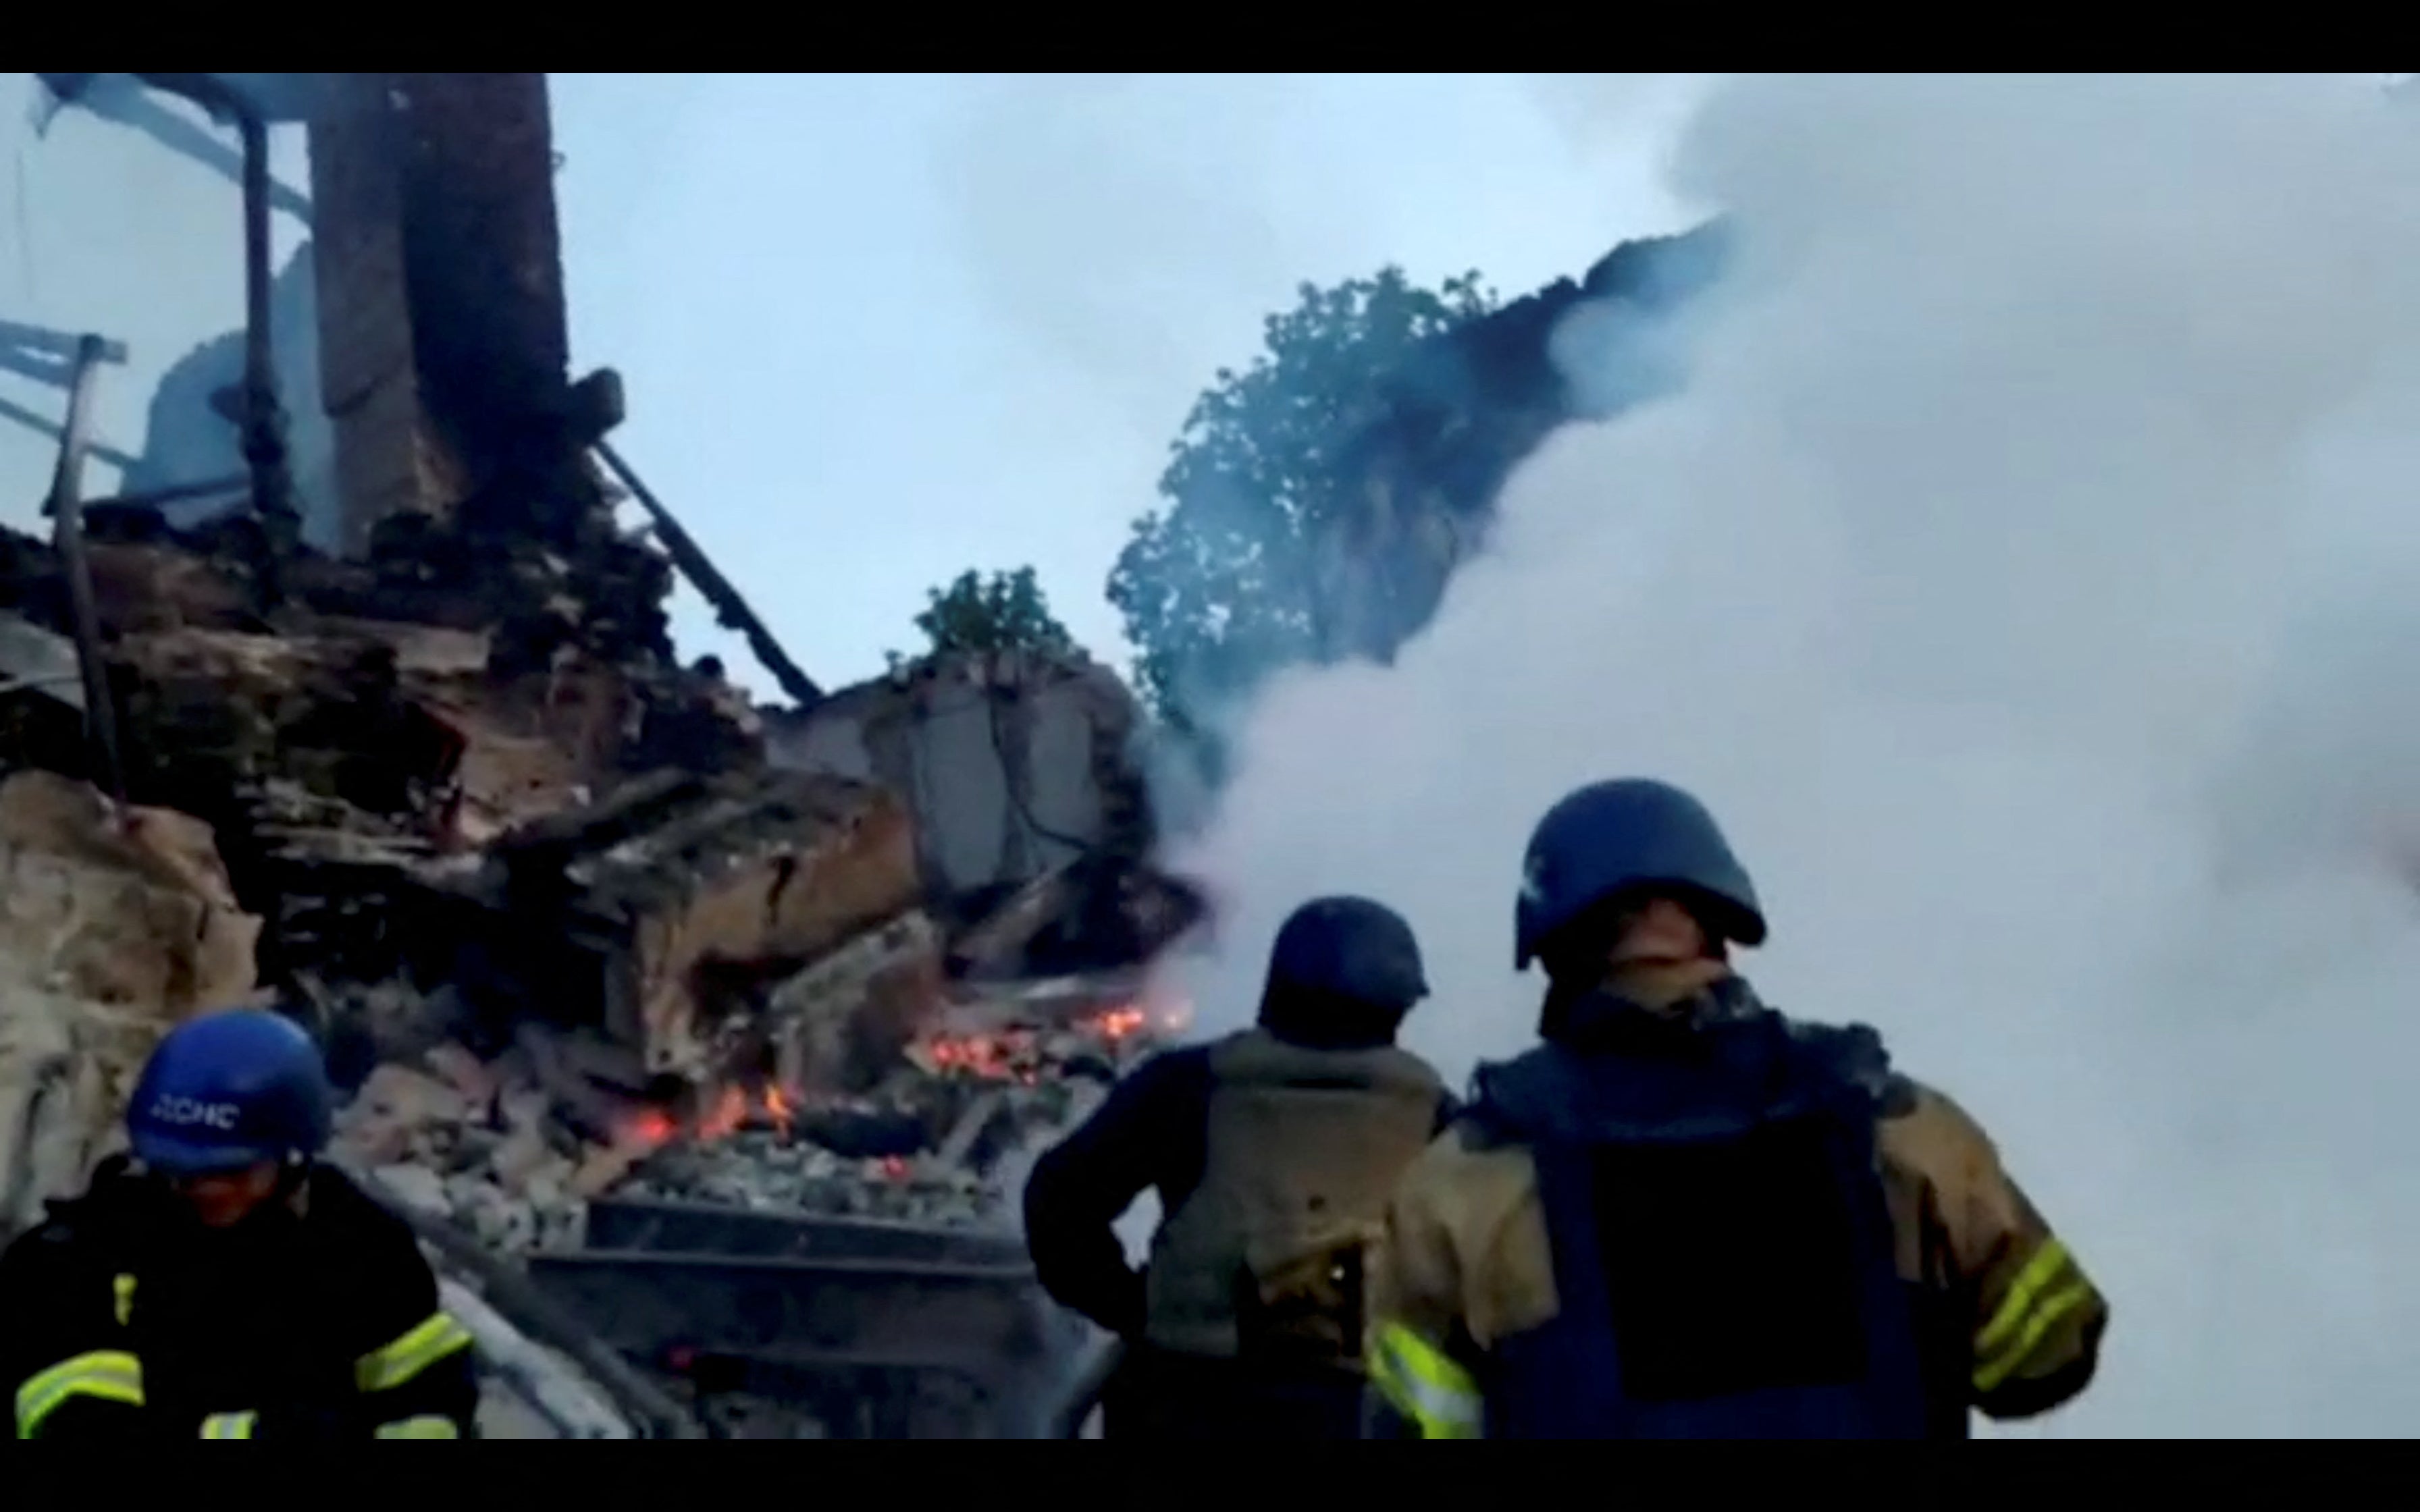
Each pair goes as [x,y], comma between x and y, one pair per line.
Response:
[442,323]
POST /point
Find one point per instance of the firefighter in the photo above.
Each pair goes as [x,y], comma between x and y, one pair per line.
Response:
[1272,1152]
[222,1282]
[1686,1216]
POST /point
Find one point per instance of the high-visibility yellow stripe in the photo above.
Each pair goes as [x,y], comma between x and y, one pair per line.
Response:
[1425,1384]
[419,1427]
[123,1288]
[2048,1267]
[111,1375]
[2045,1293]
[229,1425]
[433,1339]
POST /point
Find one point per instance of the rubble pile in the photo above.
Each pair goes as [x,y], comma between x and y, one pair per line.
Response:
[564,929]
[512,1147]
[930,1143]
[112,926]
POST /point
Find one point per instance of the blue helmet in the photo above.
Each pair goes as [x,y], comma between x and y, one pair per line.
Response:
[1611,837]
[1349,948]
[228,1090]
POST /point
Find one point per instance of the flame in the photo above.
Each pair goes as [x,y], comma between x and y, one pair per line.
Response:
[733,1108]
[989,1057]
[1117,1024]
[1016,1054]
[651,1129]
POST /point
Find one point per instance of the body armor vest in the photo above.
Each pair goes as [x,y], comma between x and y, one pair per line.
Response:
[1722,1246]
[1264,1262]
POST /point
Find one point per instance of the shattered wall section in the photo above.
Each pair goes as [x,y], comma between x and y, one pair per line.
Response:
[445,340]
[369,379]
[1012,762]
[690,899]
[110,932]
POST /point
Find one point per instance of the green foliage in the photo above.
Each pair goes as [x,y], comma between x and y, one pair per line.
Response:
[1005,612]
[1216,588]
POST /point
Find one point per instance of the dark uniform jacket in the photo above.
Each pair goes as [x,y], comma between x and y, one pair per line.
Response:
[315,1319]
[2010,1323]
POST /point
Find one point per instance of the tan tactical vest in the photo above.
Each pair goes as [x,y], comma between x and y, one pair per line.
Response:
[1267,1258]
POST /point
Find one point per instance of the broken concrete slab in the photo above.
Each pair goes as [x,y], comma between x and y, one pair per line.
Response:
[115,924]
[118,907]
[65,1069]
[39,661]
[594,1112]
[1012,761]
[836,1023]
[416,1186]
[521,1157]
[685,899]
[410,1097]
[465,1073]
[606,1166]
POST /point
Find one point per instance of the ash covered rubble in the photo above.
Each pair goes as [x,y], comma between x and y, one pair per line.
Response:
[514,1154]
[566,930]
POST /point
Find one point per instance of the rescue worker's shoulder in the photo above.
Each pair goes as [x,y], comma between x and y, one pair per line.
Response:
[56,1246]
[93,1226]
[1165,1092]
[1181,1070]
[339,1209]
[1926,1130]
[1468,1179]
[2038,1317]
[1468,1258]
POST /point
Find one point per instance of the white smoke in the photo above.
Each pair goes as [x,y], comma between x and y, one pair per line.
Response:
[2027,578]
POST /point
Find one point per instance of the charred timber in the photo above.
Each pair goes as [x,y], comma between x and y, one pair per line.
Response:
[730,609]
[66,508]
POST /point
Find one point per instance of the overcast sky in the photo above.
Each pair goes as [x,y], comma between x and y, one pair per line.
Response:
[878,329]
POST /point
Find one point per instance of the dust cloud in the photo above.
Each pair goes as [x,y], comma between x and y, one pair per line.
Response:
[2027,577]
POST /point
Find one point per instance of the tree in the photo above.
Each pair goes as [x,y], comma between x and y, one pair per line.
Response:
[1217,589]
[1002,613]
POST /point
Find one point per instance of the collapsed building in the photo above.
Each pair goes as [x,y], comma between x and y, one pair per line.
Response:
[596,945]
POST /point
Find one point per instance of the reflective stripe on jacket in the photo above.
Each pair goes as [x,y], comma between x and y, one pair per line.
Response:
[118,1322]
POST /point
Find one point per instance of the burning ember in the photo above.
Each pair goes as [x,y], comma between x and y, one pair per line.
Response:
[733,1109]
[1007,1055]
[1023,1052]
[1115,1024]
[652,1127]
[919,1144]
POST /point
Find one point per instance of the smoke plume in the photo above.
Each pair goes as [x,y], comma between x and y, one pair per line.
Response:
[2025,575]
